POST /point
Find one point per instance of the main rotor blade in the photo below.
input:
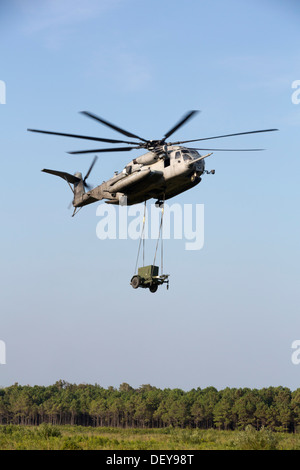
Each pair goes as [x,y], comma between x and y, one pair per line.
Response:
[221,136]
[112,126]
[90,169]
[230,150]
[98,139]
[116,149]
[185,118]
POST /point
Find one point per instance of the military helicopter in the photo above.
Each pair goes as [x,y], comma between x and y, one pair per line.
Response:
[166,170]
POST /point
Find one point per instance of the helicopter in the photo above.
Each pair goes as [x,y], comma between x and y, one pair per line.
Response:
[164,171]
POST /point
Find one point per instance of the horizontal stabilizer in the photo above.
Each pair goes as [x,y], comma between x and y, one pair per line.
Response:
[66,176]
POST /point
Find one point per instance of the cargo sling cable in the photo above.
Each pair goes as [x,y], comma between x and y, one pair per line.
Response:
[142,239]
[160,237]
[148,276]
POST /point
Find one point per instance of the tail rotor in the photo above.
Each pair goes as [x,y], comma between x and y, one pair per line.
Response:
[76,183]
[85,184]
[81,185]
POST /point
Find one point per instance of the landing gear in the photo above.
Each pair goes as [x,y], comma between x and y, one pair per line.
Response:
[195,178]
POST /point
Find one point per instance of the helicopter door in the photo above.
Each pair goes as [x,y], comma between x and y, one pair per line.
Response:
[177,156]
[166,162]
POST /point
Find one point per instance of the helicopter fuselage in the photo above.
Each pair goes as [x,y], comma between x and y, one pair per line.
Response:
[159,175]
[166,170]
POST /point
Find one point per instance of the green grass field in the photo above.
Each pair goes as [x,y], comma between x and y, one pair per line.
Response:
[48,437]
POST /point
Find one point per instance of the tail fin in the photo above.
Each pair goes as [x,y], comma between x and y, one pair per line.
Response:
[81,198]
[66,176]
[79,189]
[75,180]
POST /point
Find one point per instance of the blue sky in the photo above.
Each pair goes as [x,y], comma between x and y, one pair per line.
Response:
[232,310]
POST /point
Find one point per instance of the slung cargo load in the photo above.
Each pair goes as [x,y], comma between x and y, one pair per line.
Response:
[148,277]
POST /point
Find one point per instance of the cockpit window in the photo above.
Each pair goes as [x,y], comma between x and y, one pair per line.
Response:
[177,155]
[186,155]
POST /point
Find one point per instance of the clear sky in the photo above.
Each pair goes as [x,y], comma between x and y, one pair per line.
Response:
[67,309]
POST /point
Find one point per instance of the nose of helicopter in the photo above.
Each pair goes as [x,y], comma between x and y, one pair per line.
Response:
[200,165]
[195,164]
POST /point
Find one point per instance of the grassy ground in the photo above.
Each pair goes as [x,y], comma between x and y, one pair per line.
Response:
[47,437]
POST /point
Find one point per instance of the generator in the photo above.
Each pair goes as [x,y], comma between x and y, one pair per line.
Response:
[148,278]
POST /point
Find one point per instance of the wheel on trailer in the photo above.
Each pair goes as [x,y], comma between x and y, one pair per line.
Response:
[153,288]
[135,281]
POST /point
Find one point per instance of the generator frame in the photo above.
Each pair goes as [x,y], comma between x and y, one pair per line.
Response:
[148,278]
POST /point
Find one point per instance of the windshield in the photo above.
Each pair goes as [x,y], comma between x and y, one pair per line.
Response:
[195,154]
[186,155]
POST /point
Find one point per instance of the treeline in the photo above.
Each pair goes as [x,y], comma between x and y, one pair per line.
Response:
[275,408]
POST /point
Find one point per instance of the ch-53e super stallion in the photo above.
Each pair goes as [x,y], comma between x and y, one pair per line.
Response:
[166,170]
